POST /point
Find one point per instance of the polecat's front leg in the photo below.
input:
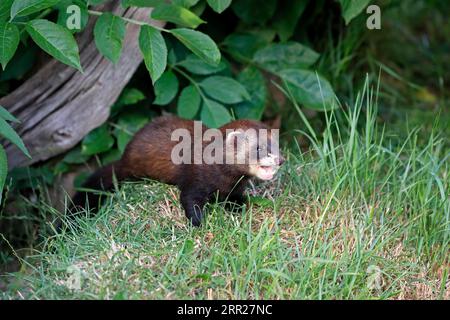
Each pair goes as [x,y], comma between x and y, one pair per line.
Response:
[237,198]
[237,195]
[193,202]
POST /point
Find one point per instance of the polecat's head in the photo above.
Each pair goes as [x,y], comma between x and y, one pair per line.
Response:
[254,148]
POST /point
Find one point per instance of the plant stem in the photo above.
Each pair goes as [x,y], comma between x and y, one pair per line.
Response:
[42,15]
[191,80]
[137,22]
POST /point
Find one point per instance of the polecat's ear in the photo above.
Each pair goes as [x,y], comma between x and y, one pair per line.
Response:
[274,123]
[235,136]
[238,134]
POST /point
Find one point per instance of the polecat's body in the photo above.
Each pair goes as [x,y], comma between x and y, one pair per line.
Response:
[149,155]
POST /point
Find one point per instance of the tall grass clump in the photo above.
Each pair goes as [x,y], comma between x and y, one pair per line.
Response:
[391,179]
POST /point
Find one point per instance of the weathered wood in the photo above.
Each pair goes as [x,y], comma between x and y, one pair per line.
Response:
[58,105]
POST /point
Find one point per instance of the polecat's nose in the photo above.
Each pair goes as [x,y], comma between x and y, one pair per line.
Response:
[281,160]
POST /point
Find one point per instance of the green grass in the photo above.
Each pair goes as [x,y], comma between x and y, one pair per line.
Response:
[359,216]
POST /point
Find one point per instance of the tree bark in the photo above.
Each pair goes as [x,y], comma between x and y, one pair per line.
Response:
[58,105]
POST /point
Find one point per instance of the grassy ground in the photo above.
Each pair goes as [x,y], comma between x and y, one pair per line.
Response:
[360,216]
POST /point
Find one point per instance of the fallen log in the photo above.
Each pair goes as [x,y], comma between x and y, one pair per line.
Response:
[59,105]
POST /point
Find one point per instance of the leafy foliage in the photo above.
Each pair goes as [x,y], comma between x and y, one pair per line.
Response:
[250,44]
[224,89]
[7,132]
[189,102]
[55,40]
[279,56]
[254,11]
[154,50]
[219,5]
[200,44]
[9,41]
[97,141]
[352,8]
[109,33]
[5,9]
[26,7]
[166,88]
[253,80]
[287,16]
[195,65]
[214,114]
[309,89]
[176,14]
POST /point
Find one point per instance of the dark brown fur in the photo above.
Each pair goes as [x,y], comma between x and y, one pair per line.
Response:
[148,155]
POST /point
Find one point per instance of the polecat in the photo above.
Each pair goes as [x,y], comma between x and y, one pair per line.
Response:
[150,154]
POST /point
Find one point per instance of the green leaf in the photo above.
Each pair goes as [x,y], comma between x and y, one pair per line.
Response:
[224,89]
[8,133]
[95,2]
[56,41]
[186,3]
[176,14]
[198,8]
[309,89]
[5,9]
[195,65]
[23,8]
[97,141]
[154,50]
[123,138]
[352,8]
[213,114]
[81,179]
[9,41]
[7,116]
[20,64]
[141,3]
[172,57]
[3,170]
[111,156]
[254,11]
[166,88]
[131,96]
[61,167]
[253,81]
[75,156]
[199,43]
[219,5]
[291,55]
[287,16]
[64,17]
[109,33]
[128,124]
[188,102]
[178,51]
[243,46]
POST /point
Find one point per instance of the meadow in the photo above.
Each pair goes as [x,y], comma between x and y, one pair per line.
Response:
[362,214]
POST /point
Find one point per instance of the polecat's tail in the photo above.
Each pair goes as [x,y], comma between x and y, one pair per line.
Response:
[100,180]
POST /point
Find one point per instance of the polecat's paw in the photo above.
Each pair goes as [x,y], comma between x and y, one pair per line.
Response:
[196,221]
